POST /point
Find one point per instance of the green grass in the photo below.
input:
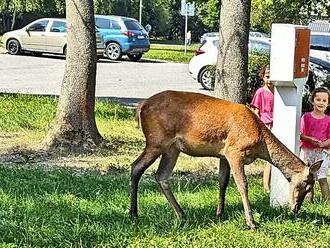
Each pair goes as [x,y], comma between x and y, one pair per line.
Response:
[171,53]
[45,205]
[65,208]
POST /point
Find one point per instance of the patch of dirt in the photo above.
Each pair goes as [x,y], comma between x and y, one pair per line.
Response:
[17,150]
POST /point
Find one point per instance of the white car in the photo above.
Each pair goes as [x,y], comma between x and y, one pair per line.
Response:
[259,35]
[46,35]
[320,46]
[207,54]
[209,35]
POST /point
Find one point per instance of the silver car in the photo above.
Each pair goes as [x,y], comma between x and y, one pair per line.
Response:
[46,35]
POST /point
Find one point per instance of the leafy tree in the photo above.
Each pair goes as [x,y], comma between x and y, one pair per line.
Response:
[176,20]
[103,6]
[75,125]
[264,13]
[208,12]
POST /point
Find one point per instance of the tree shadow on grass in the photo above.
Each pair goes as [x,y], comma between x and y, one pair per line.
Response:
[109,147]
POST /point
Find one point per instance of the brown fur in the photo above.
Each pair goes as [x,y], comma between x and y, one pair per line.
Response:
[200,125]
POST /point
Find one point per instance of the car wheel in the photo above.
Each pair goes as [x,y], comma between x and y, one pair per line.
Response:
[205,78]
[134,57]
[113,51]
[13,47]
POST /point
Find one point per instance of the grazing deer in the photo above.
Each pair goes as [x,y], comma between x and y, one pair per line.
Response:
[200,125]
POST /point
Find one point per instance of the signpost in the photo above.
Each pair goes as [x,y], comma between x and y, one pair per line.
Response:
[289,71]
[187,9]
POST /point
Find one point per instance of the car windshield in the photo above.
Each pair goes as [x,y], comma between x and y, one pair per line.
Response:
[320,42]
[132,25]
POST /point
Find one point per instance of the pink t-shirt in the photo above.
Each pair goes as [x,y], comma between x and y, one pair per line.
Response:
[264,101]
[317,128]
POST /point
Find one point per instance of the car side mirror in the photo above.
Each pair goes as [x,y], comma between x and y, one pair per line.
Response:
[148,28]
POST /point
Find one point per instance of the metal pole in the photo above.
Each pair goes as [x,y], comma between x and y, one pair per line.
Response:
[186,30]
[140,13]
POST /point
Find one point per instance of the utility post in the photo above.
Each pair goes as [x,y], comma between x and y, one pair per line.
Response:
[140,13]
[187,9]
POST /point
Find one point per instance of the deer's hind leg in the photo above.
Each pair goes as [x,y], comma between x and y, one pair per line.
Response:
[163,175]
[148,156]
[224,174]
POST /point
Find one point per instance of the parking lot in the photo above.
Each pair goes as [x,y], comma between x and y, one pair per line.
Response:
[125,81]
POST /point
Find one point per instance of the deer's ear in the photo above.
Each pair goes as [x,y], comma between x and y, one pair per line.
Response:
[315,167]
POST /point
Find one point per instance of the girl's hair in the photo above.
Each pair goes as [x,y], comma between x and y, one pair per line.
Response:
[320,90]
[262,73]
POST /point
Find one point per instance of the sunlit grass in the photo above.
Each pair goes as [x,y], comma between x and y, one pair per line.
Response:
[171,53]
[74,204]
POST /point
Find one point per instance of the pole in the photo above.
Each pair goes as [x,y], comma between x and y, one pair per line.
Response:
[140,13]
[186,30]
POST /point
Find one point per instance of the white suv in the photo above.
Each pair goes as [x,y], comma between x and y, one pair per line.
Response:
[320,46]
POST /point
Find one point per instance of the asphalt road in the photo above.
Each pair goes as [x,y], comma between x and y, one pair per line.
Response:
[125,81]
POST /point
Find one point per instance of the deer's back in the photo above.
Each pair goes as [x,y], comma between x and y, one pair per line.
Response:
[197,123]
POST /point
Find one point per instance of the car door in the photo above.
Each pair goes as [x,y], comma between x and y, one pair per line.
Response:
[34,37]
[56,37]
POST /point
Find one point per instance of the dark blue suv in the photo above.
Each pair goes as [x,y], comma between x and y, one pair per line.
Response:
[122,36]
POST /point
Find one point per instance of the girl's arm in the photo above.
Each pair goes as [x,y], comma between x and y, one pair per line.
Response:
[311,140]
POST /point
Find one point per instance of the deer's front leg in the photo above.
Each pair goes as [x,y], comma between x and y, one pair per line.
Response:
[237,167]
[224,174]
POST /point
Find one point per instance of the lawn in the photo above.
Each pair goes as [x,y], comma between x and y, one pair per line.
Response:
[70,200]
[171,53]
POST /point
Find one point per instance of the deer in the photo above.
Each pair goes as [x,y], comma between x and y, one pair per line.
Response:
[205,126]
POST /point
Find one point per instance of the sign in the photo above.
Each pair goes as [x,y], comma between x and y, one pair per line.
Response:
[187,8]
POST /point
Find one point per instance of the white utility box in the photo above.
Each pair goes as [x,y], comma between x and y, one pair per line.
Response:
[289,62]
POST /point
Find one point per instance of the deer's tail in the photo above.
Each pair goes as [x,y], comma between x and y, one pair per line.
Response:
[138,113]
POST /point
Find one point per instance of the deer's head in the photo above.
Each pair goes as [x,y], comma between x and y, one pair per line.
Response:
[302,183]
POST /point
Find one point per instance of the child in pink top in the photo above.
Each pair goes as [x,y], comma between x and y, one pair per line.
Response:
[263,103]
[315,136]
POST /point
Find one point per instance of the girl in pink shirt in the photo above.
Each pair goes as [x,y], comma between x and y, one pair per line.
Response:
[315,137]
[263,103]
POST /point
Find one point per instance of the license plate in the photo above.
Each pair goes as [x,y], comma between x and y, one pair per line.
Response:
[140,37]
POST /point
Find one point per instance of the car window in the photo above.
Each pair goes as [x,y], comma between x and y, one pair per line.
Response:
[102,23]
[132,25]
[320,42]
[115,25]
[58,26]
[39,26]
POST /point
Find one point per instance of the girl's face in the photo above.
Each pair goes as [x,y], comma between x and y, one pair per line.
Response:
[266,79]
[320,102]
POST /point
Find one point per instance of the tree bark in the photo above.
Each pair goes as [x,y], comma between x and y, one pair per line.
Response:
[75,125]
[232,64]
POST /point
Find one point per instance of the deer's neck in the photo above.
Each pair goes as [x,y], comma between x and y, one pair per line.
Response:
[280,156]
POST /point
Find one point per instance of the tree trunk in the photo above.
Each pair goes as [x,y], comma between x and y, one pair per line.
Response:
[232,65]
[75,125]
